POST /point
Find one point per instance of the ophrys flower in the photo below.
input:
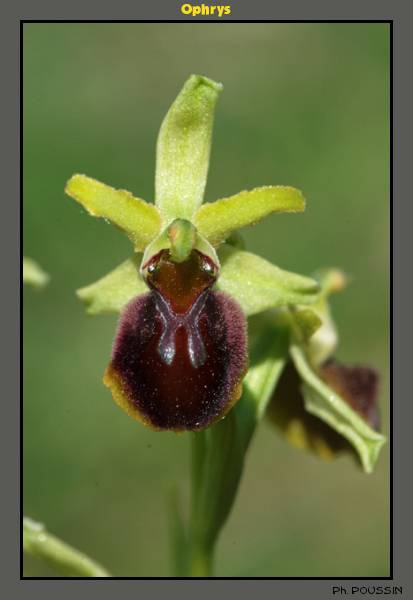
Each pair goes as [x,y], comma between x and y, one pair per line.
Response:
[180,352]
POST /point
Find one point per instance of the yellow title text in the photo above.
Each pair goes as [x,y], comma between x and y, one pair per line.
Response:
[205,10]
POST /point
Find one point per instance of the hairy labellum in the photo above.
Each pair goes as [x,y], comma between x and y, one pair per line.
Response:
[357,386]
[180,350]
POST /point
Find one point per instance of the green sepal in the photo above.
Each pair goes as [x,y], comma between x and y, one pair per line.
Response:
[183,149]
[111,293]
[217,220]
[138,219]
[321,401]
[33,274]
[258,285]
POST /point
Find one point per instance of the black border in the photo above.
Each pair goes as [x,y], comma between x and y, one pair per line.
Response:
[391,291]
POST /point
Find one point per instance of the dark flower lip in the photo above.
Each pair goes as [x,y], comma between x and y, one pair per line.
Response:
[180,284]
[356,385]
[302,429]
[179,370]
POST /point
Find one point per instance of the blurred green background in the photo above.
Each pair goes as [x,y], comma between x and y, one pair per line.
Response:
[305,105]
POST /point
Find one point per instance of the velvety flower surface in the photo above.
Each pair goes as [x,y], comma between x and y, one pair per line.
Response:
[357,385]
[180,350]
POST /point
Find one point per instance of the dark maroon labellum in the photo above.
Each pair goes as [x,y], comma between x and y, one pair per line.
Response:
[356,385]
[180,350]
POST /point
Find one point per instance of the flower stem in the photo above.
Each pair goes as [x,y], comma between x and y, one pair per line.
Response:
[41,544]
[198,458]
[201,562]
[218,453]
[200,556]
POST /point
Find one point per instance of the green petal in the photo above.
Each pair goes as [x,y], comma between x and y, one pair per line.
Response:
[217,220]
[320,400]
[258,285]
[33,274]
[111,293]
[183,149]
[138,219]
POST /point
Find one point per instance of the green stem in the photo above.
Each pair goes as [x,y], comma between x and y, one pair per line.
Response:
[198,457]
[201,557]
[41,544]
[201,561]
[179,547]
[218,454]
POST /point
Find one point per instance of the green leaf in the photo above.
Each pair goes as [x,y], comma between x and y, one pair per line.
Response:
[177,535]
[259,285]
[223,446]
[217,220]
[320,400]
[138,219]
[33,274]
[183,148]
[111,293]
[268,350]
[38,542]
